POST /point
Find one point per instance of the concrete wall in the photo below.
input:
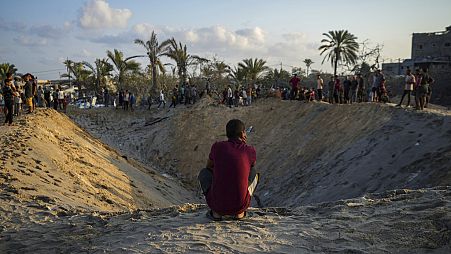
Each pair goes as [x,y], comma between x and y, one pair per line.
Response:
[431,45]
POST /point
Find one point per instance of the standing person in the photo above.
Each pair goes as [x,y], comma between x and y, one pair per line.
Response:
[249,95]
[121,99]
[8,91]
[161,99]
[18,100]
[337,88]
[182,93]
[361,88]
[106,97]
[244,96]
[230,179]
[416,88]
[174,97]
[331,87]
[354,86]
[193,94]
[41,99]
[47,97]
[34,86]
[224,96]
[408,87]
[425,82]
[229,96]
[319,87]
[61,98]
[295,82]
[346,90]
[374,88]
[380,78]
[236,97]
[28,91]
[55,99]
[187,94]
[126,100]
[132,101]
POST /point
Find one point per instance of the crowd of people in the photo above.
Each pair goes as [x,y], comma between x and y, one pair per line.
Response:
[243,96]
[22,94]
[420,85]
[352,89]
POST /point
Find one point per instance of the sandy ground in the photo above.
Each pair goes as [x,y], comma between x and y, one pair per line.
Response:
[49,165]
[392,222]
[362,178]
[307,153]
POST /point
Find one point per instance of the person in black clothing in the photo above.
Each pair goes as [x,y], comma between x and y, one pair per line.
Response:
[347,89]
[47,97]
[354,86]
[360,88]
[55,99]
[8,91]
[106,97]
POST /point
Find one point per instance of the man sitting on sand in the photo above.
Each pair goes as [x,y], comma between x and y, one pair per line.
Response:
[229,180]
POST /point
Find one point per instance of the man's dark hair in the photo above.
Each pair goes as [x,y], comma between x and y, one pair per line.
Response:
[234,128]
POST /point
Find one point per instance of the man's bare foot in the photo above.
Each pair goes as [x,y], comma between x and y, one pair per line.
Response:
[240,215]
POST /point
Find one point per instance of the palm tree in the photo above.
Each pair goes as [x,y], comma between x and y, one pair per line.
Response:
[6,68]
[123,65]
[154,52]
[308,62]
[341,47]
[179,53]
[101,70]
[253,68]
[77,71]
[238,76]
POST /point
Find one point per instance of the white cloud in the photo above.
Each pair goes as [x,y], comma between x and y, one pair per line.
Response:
[257,34]
[97,14]
[221,38]
[233,45]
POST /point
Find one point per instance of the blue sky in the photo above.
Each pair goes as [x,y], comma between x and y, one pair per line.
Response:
[38,35]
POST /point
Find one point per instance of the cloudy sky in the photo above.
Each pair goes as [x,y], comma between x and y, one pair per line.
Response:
[37,36]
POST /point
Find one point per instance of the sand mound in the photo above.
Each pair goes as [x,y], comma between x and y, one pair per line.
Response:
[49,165]
[360,178]
[307,153]
[399,221]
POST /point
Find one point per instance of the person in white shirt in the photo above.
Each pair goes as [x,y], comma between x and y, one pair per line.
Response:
[161,98]
[61,99]
[319,87]
[230,96]
[244,95]
[408,87]
[126,99]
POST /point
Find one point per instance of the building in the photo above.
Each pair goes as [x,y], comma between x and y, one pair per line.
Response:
[433,52]
[435,45]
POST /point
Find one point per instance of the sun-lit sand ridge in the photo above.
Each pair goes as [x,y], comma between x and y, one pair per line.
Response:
[65,191]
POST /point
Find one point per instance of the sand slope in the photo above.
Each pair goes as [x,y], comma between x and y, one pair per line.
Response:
[64,191]
[49,165]
[307,153]
[401,221]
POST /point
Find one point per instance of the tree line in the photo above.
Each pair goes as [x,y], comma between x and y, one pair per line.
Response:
[340,48]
